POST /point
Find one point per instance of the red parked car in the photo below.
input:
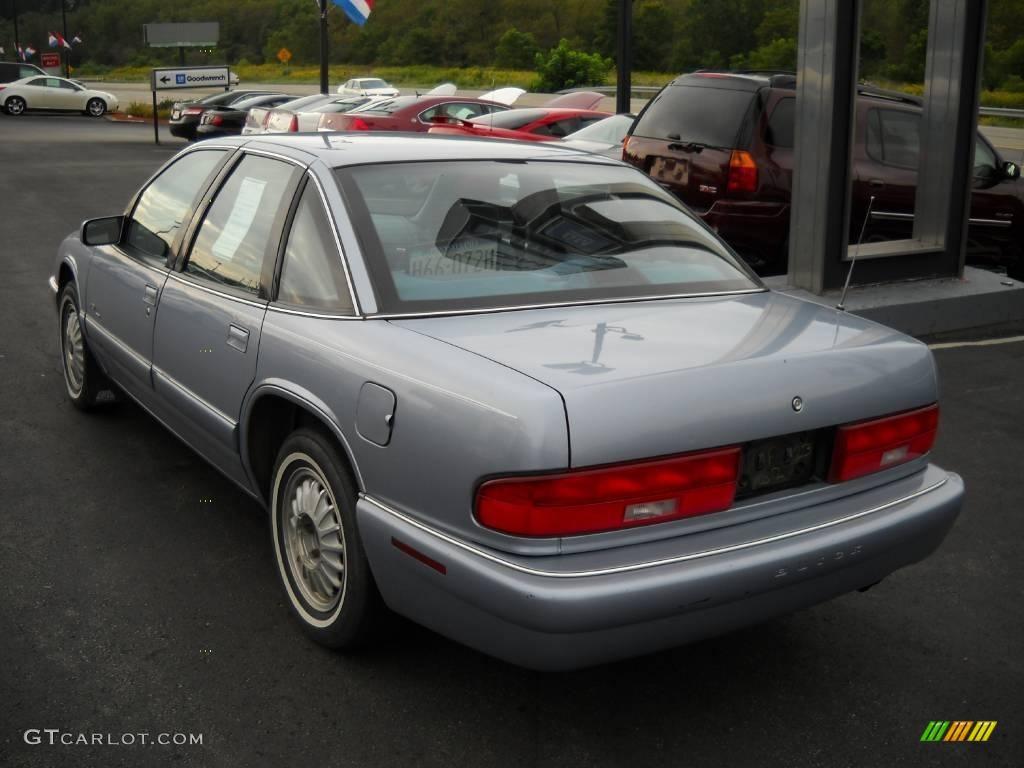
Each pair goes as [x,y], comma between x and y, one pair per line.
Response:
[529,124]
[722,142]
[409,113]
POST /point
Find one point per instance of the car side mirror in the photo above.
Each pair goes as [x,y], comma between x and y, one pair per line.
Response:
[104,231]
[1011,170]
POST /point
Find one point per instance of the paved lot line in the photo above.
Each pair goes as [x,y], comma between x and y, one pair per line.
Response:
[984,343]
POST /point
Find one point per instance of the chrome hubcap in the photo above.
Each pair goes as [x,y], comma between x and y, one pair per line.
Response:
[74,350]
[314,541]
[14,107]
[95,107]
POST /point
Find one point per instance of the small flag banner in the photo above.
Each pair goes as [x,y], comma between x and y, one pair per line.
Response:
[958,730]
[357,10]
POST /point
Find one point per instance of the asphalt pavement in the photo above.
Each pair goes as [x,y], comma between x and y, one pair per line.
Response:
[138,591]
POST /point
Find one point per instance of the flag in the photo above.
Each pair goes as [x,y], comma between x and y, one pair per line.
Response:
[2,51]
[29,51]
[21,53]
[51,39]
[77,39]
[62,42]
[357,10]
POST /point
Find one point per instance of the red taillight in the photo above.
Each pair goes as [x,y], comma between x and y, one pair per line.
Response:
[217,120]
[192,111]
[293,126]
[622,496]
[742,172]
[870,446]
[358,125]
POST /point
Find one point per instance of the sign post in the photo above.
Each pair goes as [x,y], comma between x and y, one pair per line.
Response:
[178,78]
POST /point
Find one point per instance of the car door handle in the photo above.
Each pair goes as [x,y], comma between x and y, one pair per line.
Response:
[238,337]
[876,183]
[149,296]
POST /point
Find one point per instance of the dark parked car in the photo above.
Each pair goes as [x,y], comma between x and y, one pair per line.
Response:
[228,119]
[723,143]
[185,114]
[15,70]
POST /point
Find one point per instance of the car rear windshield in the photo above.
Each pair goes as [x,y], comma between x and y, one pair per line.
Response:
[390,106]
[483,234]
[711,116]
[512,119]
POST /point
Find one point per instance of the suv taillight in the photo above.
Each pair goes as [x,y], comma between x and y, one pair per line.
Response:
[610,498]
[871,446]
[293,126]
[358,125]
[742,172]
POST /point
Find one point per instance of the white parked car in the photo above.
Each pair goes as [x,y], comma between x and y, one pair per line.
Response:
[55,93]
[367,86]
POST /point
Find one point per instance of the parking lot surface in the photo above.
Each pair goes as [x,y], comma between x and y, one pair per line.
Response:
[138,591]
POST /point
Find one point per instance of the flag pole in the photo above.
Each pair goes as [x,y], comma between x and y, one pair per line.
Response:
[17,43]
[65,55]
[323,47]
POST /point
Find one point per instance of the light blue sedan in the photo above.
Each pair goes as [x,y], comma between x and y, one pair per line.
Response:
[517,393]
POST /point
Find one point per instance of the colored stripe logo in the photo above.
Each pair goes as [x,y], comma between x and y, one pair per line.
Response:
[958,730]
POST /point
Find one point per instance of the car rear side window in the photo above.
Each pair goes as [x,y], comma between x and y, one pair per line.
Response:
[894,137]
[164,206]
[485,234]
[312,275]
[232,245]
[780,125]
[711,116]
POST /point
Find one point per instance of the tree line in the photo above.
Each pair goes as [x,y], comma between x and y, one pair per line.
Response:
[668,35]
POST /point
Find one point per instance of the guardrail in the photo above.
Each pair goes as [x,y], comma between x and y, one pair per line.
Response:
[609,90]
[1001,112]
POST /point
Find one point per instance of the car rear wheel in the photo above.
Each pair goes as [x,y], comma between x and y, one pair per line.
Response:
[83,379]
[320,557]
[15,105]
[96,107]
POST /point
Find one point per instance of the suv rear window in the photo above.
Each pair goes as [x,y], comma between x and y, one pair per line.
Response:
[711,116]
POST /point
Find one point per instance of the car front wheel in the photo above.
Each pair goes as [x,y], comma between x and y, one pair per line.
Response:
[15,105]
[320,558]
[96,107]
[83,379]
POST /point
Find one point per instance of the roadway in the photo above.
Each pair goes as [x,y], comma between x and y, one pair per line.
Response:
[127,605]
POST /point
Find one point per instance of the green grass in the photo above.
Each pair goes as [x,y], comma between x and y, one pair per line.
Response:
[142,109]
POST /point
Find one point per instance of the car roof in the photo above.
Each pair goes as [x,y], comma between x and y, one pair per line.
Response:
[343,148]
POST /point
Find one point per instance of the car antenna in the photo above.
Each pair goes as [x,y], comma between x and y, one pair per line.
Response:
[849,273]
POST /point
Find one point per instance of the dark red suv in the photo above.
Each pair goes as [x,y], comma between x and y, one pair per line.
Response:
[723,143]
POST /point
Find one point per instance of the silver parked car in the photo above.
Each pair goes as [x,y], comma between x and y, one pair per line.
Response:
[517,393]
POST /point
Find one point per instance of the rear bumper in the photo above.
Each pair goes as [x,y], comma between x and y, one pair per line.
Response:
[536,612]
[184,129]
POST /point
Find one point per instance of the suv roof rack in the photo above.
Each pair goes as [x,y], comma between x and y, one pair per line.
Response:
[776,78]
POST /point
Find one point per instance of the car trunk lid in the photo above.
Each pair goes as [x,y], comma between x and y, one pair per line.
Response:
[660,377]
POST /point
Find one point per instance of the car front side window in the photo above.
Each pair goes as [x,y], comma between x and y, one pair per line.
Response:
[984,159]
[312,275]
[165,205]
[234,239]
